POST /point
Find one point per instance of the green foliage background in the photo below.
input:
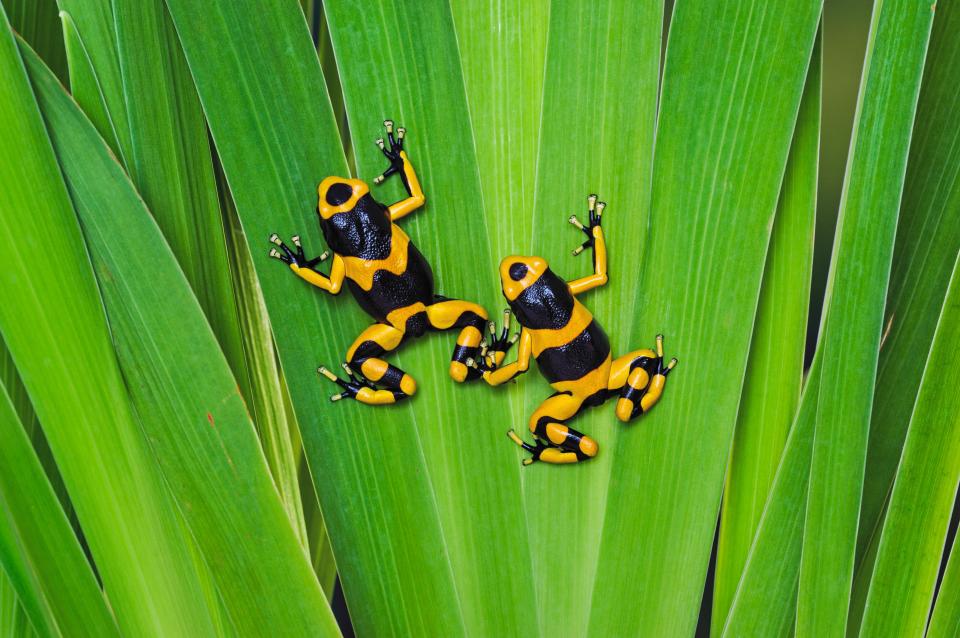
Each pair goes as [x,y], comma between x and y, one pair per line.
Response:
[171,465]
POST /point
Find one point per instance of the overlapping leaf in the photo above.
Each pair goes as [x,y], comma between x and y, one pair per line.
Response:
[54,308]
[188,402]
[265,102]
[774,378]
[853,321]
[38,550]
[928,239]
[727,114]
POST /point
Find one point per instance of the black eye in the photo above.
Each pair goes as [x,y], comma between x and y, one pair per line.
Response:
[518,271]
[339,193]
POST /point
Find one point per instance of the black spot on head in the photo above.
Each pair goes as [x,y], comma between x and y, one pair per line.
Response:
[339,193]
[518,270]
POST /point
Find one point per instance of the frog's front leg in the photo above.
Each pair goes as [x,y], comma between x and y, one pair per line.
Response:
[305,268]
[640,377]
[364,357]
[595,240]
[556,442]
[490,363]
[400,163]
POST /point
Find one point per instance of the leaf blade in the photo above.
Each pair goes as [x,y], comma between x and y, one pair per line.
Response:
[911,545]
[852,327]
[698,181]
[928,238]
[76,387]
[401,581]
[184,392]
[772,387]
[68,600]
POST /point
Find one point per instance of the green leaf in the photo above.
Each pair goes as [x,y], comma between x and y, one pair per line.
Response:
[774,377]
[188,402]
[14,622]
[928,239]
[84,85]
[911,545]
[170,162]
[263,386]
[169,158]
[726,117]
[53,579]
[96,80]
[53,308]
[590,139]
[37,22]
[853,324]
[945,620]
[264,98]
[766,597]
[474,471]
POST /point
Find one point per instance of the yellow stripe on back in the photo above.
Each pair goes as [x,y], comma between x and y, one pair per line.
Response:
[545,338]
[362,271]
[589,383]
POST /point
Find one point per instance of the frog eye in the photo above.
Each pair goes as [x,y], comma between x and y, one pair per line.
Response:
[518,270]
[339,193]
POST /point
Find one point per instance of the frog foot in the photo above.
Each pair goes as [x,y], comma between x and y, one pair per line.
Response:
[391,150]
[494,349]
[536,449]
[351,386]
[595,213]
[365,391]
[294,256]
[664,369]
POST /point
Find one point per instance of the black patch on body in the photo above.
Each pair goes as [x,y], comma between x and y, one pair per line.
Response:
[390,291]
[582,354]
[365,232]
[546,303]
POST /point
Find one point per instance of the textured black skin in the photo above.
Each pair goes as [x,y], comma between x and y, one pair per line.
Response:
[365,232]
[546,303]
[577,357]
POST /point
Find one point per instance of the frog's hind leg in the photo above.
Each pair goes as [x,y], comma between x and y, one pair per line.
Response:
[556,441]
[382,383]
[640,377]
[471,319]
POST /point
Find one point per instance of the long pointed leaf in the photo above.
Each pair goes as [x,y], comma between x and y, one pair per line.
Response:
[96,81]
[14,622]
[765,602]
[727,114]
[774,378]
[265,102]
[911,545]
[67,594]
[928,239]
[853,323]
[596,136]
[945,620]
[76,386]
[182,388]
[474,472]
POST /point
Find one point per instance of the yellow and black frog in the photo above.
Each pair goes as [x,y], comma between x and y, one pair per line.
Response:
[571,349]
[389,278]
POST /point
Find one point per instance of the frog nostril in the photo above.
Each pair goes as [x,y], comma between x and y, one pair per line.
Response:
[339,193]
[518,270]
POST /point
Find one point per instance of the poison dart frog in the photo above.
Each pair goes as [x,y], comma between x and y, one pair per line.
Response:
[389,278]
[571,349]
